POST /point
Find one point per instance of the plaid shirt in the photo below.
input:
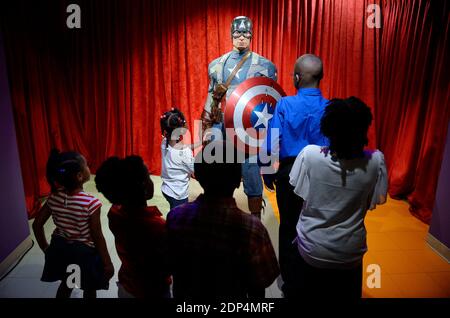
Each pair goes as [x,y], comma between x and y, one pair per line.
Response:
[215,249]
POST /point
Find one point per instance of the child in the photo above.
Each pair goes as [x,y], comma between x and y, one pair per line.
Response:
[78,237]
[217,250]
[139,230]
[177,159]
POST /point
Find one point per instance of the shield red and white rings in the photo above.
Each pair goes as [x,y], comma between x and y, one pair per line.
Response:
[248,110]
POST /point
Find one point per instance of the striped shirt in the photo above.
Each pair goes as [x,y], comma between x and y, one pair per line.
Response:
[71,215]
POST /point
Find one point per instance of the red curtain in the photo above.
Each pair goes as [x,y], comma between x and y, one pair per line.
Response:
[414,105]
[100,89]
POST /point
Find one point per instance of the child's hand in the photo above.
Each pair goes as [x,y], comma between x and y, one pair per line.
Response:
[109,271]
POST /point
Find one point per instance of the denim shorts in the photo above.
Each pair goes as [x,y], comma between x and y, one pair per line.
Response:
[253,186]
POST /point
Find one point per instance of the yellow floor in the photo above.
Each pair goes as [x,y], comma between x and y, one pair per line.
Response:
[396,242]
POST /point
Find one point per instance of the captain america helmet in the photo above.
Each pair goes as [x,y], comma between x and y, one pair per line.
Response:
[241,25]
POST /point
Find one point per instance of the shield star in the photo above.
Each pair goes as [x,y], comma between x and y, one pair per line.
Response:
[263,117]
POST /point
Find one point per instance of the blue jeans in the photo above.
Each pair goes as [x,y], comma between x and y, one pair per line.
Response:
[253,186]
[174,202]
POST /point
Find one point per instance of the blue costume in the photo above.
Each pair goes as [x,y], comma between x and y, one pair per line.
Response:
[219,70]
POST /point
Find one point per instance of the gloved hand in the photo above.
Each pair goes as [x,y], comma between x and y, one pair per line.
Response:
[269,182]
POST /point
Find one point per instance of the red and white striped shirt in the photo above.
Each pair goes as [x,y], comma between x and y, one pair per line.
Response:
[71,215]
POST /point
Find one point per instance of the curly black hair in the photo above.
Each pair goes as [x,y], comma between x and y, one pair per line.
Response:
[345,123]
[124,181]
[170,121]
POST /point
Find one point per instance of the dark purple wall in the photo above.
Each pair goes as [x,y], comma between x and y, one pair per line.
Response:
[440,221]
[13,216]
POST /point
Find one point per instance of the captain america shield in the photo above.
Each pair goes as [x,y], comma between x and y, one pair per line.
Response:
[248,111]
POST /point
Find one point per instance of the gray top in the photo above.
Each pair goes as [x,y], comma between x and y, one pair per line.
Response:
[337,194]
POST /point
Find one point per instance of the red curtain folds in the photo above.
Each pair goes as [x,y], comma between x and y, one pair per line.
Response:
[100,90]
[414,105]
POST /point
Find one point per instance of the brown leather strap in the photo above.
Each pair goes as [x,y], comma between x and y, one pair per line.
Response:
[236,69]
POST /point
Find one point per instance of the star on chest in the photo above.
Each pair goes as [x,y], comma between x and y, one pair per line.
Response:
[231,69]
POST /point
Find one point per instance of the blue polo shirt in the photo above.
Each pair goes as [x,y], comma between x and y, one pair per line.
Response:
[298,121]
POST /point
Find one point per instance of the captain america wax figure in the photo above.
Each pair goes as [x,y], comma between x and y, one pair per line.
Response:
[225,74]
